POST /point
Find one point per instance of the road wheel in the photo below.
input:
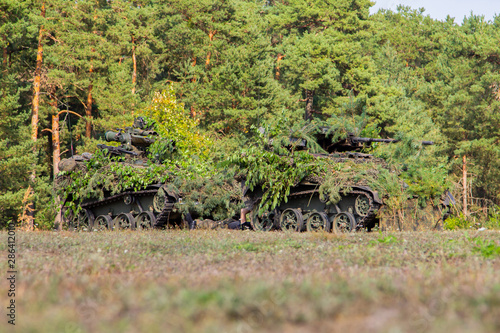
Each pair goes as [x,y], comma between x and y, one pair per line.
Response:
[145,220]
[124,221]
[265,221]
[362,205]
[85,220]
[344,222]
[291,220]
[103,222]
[317,222]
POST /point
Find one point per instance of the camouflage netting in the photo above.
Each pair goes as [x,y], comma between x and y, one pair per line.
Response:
[276,175]
[216,196]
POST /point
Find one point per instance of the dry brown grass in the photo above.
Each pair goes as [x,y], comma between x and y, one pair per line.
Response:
[230,281]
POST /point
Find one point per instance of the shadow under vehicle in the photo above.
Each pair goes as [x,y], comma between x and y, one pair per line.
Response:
[358,206]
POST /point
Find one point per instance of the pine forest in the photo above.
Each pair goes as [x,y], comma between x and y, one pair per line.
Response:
[226,79]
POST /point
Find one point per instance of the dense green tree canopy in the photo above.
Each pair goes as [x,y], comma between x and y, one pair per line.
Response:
[236,65]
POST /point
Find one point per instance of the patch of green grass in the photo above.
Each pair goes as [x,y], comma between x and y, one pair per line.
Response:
[247,246]
[487,249]
[387,239]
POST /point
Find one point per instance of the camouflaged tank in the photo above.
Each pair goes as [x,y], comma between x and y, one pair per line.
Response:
[151,207]
[359,205]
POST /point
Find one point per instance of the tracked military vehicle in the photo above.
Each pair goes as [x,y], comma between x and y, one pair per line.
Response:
[358,205]
[151,207]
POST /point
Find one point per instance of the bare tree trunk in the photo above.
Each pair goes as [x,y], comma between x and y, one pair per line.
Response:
[134,73]
[464,180]
[400,219]
[279,58]
[309,104]
[55,131]
[211,35]
[37,82]
[88,113]
[56,157]
[56,145]
[88,108]
[58,221]
[29,207]
[192,110]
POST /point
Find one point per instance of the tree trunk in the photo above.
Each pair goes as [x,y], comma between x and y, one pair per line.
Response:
[279,58]
[37,82]
[193,63]
[29,207]
[134,73]
[309,104]
[55,115]
[193,111]
[56,158]
[88,108]
[211,35]
[56,145]
[88,113]
[58,220]
[464,180]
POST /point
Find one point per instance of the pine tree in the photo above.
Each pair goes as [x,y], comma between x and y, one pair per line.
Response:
[318,46]
[19,156]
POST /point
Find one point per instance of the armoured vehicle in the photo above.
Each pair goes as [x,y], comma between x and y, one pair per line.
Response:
[306,210]
[150,207]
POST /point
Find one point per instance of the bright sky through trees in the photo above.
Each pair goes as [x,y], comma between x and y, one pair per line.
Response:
[441,8]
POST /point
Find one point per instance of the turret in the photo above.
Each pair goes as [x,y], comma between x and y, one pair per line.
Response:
[353,143]
[134,140]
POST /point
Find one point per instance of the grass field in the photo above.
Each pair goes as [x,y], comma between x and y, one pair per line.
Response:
[243,281]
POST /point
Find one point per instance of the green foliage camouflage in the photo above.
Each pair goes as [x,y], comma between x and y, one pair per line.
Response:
[274,164]
[202,191]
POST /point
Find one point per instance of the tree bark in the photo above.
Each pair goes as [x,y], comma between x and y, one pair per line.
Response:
[279,58]
[37,82]
[56,145]
[193,63]
[88,108]
[309,104]
[464,180]
[29,208]
[53,133]
[56,158]
[211,35]
[58,220]
[193,111]
[134,73]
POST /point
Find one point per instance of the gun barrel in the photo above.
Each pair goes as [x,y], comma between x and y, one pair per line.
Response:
[358,139]
[368,140]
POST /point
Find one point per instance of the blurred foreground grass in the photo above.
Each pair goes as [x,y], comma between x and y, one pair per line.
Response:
[242,281]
